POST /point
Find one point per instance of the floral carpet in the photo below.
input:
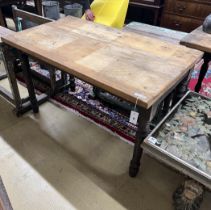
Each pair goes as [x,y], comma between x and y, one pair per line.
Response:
[110,117]
[206,85]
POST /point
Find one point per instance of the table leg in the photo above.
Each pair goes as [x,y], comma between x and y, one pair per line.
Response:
[156,16]
[29,82]
[143,130]
[181,89]
[9,60]
[203,71]
[2,19]
[38,5]
[166,105]
[52,73]
[72,82]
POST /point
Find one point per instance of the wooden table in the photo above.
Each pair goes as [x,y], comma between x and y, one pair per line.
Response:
[199,40]
[136,68]
[22,105]
[3,75]
[3,3]
[156,8]
[156,32]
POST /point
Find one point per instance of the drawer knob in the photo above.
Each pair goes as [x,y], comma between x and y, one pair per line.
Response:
[181,8]
[177,24]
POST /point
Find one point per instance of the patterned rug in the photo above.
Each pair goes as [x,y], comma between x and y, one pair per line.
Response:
[206,85]
[110,117]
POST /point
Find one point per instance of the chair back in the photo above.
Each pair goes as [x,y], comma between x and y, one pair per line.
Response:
[24,20]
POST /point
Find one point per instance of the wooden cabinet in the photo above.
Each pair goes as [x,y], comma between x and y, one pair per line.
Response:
[150,2]
[139,8]
[185,15]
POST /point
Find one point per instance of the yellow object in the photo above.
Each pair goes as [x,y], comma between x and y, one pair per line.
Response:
[110,12]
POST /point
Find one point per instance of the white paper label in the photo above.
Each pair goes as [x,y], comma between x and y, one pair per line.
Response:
[134,117]
[140,96]
[152,140]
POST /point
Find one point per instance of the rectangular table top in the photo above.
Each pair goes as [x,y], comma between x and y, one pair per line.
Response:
[5,31]
[198,39]
[123,63]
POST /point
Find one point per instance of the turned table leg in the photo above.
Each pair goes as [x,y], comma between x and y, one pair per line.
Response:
[38,5]
[10,60]
[143,130]
[203,71]
[181,89]
[2,19]
[29,82]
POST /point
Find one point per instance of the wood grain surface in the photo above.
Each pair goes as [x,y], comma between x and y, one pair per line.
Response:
[4,31]
[198,39]
[121,62]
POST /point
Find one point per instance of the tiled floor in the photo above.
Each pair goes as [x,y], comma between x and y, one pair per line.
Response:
[57,160]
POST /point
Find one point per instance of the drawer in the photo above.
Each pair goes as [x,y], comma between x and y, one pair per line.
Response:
[169,5]
[188,8]
[179,23]
[150,2]
[192,9]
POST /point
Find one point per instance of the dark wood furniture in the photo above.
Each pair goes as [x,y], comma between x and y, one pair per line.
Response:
[149,68]
[149,2]
[185,15]
[55,85]
[27,16]
[21,104]
[152,5]
[199,40]
[5,3]
[3,92]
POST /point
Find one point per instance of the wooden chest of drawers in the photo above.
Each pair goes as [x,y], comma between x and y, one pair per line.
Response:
[185,15]
[150,2]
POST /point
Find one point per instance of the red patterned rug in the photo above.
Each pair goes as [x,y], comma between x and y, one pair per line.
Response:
[101,113]
[206,85]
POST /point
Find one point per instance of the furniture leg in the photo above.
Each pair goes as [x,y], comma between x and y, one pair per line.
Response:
[142,132]
[72,82]
[166,105]
[38,5]
[64,77]
[52,80]
[203,71]
[96,92]
[29,83]
[9,60]
[156,16]
[2,19]
[181,89]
